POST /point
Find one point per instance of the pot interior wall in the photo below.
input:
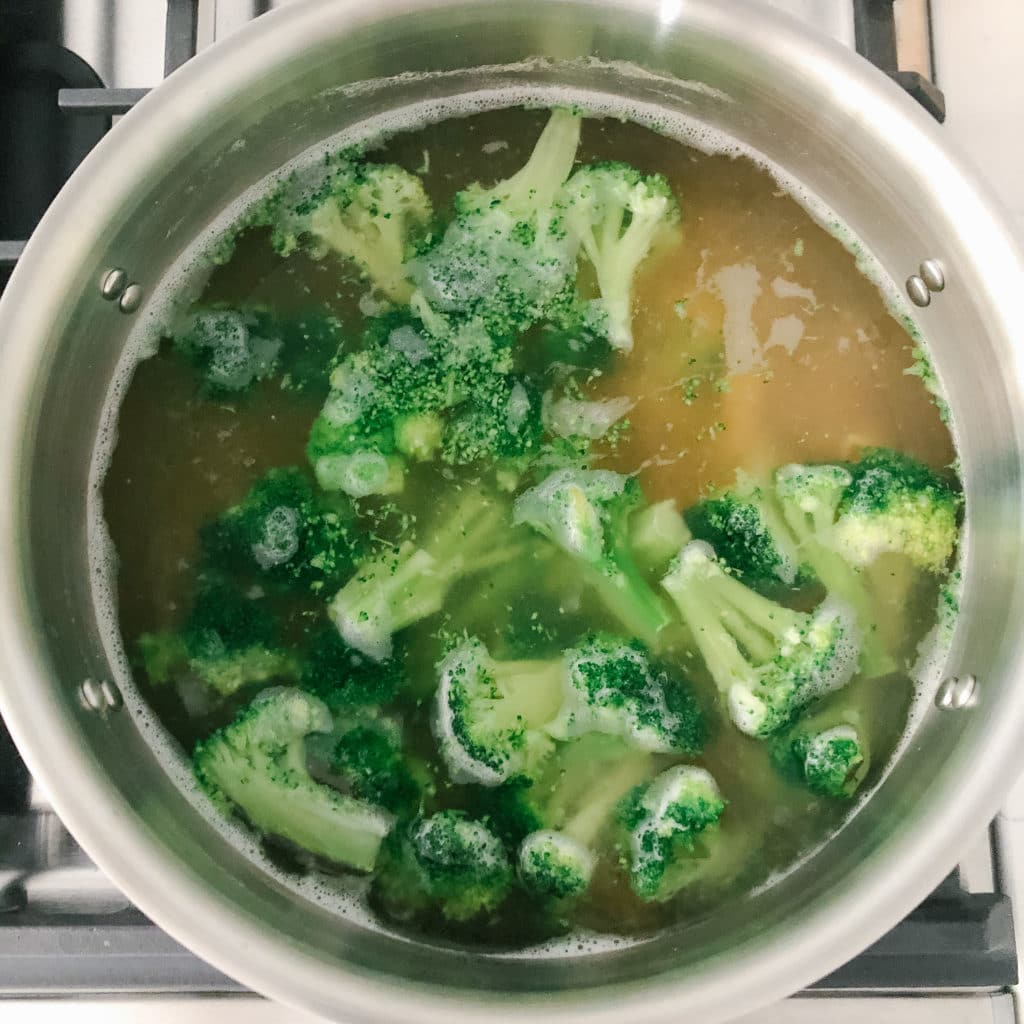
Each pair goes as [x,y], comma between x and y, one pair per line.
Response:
[215,152]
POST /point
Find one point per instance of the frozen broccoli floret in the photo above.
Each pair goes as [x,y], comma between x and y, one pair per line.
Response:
[670,825]
[258,765]
[809,499]
[767,660]
[827,753]
[345,678]
[448,861]
[506,258]
[229,641]
[372,214]
[656,533]
[280,530]
[225,347]
[490,716]
[411,394]
[746,532]
[572,805]
[363,757]
[405,584]
[586,513]
[618,214]
[894,503]
[378,772]
[611,687]
[501,421]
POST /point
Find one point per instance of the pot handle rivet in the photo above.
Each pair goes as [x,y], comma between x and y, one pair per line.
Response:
[113,284]
[131,299]
[933,275]
[957,693]
[918,291]
[100,696]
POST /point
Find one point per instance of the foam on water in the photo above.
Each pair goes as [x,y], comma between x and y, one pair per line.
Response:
[184,283]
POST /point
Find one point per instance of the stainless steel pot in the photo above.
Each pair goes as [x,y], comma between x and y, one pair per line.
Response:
[822,114]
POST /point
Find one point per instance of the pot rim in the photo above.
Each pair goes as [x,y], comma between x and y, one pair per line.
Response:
[109,831]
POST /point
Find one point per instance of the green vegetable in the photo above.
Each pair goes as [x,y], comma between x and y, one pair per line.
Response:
[656,533]
[894,503]
[826,753]
[670,828]
[363,757]
[490,715]
[229,641]
[343,677]
[572,805]
[448,861]
[405,584]
[586,513]
[612,688]
[618,214]
[282,531]
[767,660]
[506,258]
[372,214]
[257,764]
[226,348]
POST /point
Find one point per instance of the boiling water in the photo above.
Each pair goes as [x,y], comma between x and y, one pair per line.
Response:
[758,342]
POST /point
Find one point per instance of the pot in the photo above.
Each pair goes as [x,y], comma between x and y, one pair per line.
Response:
[242,109]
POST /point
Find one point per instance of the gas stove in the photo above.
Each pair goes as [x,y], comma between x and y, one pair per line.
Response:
[70,943]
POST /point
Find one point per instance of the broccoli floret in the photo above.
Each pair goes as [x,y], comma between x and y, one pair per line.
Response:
[745,529]
[670,824]
[618,214]
[586,513]
[809,498]
[448,861]
[656,533]
[372,214]
[345,678]
[229,641]
[611,687]
[572,805]
[489,716]
[226,348]
[895,503]
[282,531]
[768,661]
[368,759]
[258,765]
[501,421]
[506,258]
[828,753]
[405,584]
[410,393]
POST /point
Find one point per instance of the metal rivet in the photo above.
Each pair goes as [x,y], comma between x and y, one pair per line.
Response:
[100,696]
[957,693]
[933,275]
[918,291]
[111,695]
[131,299]
[91,694]
[113,284]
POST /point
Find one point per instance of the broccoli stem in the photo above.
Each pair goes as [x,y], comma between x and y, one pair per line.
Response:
[536,183]
[531,692]
[701,612]
[601,795]
[838,578]
[628,597]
